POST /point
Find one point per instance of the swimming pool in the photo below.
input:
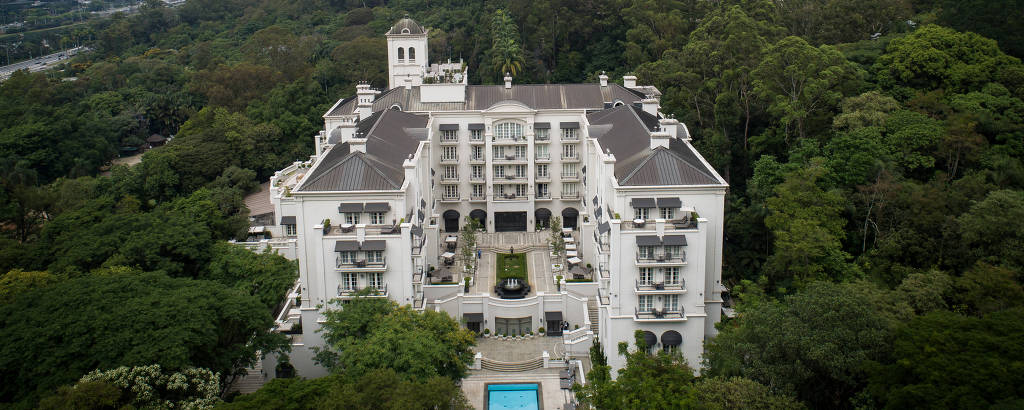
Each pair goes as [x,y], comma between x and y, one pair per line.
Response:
[512,396]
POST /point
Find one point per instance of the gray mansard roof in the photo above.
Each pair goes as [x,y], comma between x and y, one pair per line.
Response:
[482,97]
[625,131]
[391,136]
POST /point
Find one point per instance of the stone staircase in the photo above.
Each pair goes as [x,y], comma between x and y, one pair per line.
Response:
[592,313]
[488,364]
[251,381]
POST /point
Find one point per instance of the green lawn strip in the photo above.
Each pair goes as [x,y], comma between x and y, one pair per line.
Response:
[512,266]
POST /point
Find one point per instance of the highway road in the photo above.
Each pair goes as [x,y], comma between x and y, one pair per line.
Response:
[39,63]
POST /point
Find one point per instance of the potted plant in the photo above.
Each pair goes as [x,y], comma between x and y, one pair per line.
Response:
[487,332]
[327,225]
[558,282]
[540,330]
[466,282]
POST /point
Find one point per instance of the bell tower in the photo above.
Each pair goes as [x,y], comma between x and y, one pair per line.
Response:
[407,53]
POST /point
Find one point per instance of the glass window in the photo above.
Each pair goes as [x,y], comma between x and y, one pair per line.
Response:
[478,153]
[412,54]
[508,130]
[671,303]
[521,171]
[641,213]
[646,302]
[672,276]
[646,276]
[568,170]
[375,256]
[569,133]
[520,152]
[521,190]
[668,213]
[377,218]
[542,134]
[451,192]
[568,151]
[451,172]
[476,135]
[478,171]
[497,152]
[352,218]
[542,171]
[375,280]
[450,153]
[542,151]
[569,189]
[672,251]
[478,191]
[542,190]
[647,252]
[289,230]
[499,171]
[347,257]
[450,135]
[401,54]
[349,281]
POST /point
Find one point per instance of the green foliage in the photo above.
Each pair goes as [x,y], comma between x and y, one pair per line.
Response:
[811,344]
[378,389]
[945,360]
[993,229]
[740,394]
[651,381]
[17,282]
[143,387]
[506,53]
[370,334]
[58,333]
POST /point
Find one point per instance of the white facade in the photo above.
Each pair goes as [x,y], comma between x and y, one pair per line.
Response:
[506,161]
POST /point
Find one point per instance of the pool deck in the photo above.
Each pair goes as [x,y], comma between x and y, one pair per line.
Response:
[552,395]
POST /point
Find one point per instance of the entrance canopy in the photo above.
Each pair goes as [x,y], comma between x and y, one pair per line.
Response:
[473,317]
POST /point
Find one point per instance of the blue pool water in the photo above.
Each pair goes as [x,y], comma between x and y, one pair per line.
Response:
[512,396]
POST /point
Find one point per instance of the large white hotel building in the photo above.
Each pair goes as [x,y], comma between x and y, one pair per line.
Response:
[396,171]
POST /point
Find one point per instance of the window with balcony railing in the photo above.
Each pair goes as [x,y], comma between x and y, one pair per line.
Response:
[542,191]
[672,276]
[476,135]
[645,303]
[569,152]
[646,276]
[542,134]
[451,192]
[349,282]
[508,130]
[477,153]
[570,134]
[449,154]
[478,191]
[450,135]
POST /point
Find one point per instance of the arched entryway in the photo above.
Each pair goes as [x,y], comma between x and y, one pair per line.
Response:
[569,216]
[543,216]
[451,220]
[481,216]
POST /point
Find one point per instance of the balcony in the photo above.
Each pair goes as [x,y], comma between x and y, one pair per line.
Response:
[449,141]
[450,160]
[660,259]
[372,292]
[478,178]
[361,264]
[543,178]
[570,195]
[571,158]
[659,287]
[651,224]
[571,136]
[543,196]
[543,157]
[658,314]
[509,141]
[513,177]
[511,157]
[478,198]
[448,179]
[448,199]
[477,159]
[570,177]
[509,197]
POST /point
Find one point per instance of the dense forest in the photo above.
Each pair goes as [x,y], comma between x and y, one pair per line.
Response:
[874,223]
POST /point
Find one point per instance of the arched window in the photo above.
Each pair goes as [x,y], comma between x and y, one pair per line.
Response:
[405,31]
[508,130]
[401,54]
[412,54]
[618,103]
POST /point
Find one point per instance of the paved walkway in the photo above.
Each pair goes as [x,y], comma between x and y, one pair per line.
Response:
[538,261]
[520,350]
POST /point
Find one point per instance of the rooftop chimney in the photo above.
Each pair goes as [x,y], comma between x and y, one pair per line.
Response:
[651,105]
[357,143]
[629,81]
[660,138]
[670,125]
[604,79]
[508,81]
[365,96]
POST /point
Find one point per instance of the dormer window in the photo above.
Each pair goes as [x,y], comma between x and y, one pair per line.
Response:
[405,31]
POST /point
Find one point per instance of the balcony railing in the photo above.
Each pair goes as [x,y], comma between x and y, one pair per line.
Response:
[450,159]
[657,286]
[570,157]
[477,158]
[509,197]
[480,177]
[571,176]
[573,136]
[449,140]
[512,177]
[651,225]
[373,291]
[480,197]
[570,195]
[361,263]
[543,157]
[656,258]
[658,313]
[543,195]
[450,177]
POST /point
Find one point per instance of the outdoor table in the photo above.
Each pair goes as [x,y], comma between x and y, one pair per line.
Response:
[570,246]
[571,254]
[574,261]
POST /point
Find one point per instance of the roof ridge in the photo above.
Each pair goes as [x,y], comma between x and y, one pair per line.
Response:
[329,169]
[375,167]
[640,165]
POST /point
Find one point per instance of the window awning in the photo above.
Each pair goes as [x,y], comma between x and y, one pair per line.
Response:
[650,339]
[675,240]
[474,127]
[669,203]
[543,213]
[642,203]
[448,127]
[603,227]
[473,317]
[350,208]
[377,207]
[648,240]
[542,125]
[671,338]
[346,246]
[570,212]
[568,125]
[378,245]
[288,220]
[553,316]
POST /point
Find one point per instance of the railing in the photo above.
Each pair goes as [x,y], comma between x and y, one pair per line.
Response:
[374,291]
[543,157]
[361,263]
[572,136]
[657,314]
[570,157]
[450,159]
[642,257]
[544,195]
[389,229]
[651,225]
[449,140]
[542,137]
[450,177]
[477,158]
[480,177]
[570,195]
[480,197]
[509,197]
[545,176]
[650,285]
[570,176]
[602,297]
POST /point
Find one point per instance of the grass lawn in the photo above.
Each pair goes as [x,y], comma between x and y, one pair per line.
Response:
[512,266]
